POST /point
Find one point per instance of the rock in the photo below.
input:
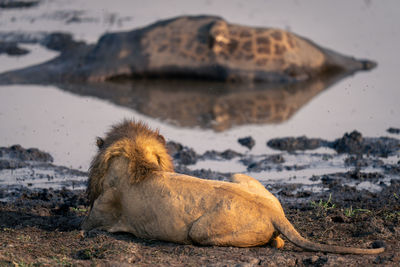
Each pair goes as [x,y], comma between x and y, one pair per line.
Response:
[173,147]
[186,156]
[60,41]
[315,261]
[265,164]
[12,49]
[16,152]
[364,175]
[247,142]
[303,194]
[355,143]
[338,219]
[378,244]
[360,161]
[182,154]
[250,263]
[393,130]
[203,173]
[8,4]
[11,164]
[349,143]
[380,260]
[215,155]
[230,154]
[291,144]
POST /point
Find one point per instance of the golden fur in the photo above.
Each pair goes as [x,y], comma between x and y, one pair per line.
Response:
[133,140]
[132,188]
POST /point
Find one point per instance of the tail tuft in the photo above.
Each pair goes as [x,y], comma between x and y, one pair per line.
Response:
[368,64]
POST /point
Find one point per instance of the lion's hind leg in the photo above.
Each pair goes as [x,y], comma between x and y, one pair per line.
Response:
[250,184]
[227,226]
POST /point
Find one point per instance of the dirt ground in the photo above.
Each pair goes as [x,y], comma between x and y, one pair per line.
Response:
[41,228]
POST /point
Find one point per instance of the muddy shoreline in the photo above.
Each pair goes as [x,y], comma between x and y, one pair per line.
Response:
[40,226]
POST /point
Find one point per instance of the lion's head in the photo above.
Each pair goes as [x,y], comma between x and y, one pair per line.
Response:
[144,148]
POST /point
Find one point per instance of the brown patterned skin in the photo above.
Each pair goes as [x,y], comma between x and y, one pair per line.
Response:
[132,188]
[238,52]
[202,47]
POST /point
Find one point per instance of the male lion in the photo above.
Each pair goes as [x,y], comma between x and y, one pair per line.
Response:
[132,188]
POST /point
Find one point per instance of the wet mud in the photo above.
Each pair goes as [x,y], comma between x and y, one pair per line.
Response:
[12,49]
[33,224]
[247,142]
[352,143]
[393,130]
[42,226]
[11,4]
[33,168]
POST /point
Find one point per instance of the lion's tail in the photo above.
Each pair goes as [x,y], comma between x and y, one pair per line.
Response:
[286,228]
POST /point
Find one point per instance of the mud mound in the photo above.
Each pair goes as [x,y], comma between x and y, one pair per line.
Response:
[351,143]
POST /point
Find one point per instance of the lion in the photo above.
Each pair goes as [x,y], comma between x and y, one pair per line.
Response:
[133,188]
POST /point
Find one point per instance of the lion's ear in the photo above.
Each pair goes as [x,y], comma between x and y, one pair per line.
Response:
[99,142]
[161,139]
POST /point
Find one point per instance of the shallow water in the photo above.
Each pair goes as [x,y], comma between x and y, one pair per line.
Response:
[40,178]
[66,124]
